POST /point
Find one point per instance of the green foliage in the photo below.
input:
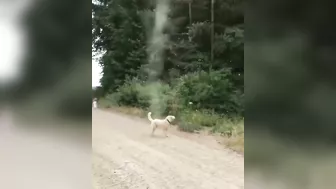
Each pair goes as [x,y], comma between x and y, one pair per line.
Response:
[182,99]
[119,33]
[129,95]
[212,91]
[189,127]
[200,117]
[229,127]
[187,87]
[199,91]
[122,29]
[229,49]
[155,96]
[97,92]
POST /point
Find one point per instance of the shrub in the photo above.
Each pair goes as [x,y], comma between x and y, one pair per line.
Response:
[197,100]
[156,96]
[129,94]
[186,122]
[212,91]
[109,101]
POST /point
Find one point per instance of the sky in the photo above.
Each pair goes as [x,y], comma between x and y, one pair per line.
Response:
[96,73]
[96,69]
[12,39]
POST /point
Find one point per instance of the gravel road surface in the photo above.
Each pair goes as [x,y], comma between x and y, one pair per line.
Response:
[125,156]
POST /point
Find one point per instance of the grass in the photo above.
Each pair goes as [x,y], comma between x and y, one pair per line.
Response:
[189,127]
[131,111]
[231,131]
[204,118]
[235,143]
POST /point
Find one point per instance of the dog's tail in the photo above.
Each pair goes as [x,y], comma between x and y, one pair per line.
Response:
[149,115]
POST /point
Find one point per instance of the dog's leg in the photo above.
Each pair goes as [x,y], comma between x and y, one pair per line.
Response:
[165,132]
[153,128]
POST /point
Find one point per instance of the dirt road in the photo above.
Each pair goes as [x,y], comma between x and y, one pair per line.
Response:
[125,156]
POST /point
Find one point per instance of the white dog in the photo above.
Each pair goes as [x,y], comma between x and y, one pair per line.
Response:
[163,123]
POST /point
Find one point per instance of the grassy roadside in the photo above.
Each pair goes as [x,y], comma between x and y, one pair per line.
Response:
[231,131]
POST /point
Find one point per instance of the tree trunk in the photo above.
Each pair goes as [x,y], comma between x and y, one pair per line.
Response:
[190,15]
[212,33]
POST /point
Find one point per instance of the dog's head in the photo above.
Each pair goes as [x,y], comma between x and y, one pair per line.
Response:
[170,118]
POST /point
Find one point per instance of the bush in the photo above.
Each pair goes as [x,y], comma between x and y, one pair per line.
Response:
[156,96]
[109,100]
[197,100]
[129,94]
[159,95]
[212,91]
